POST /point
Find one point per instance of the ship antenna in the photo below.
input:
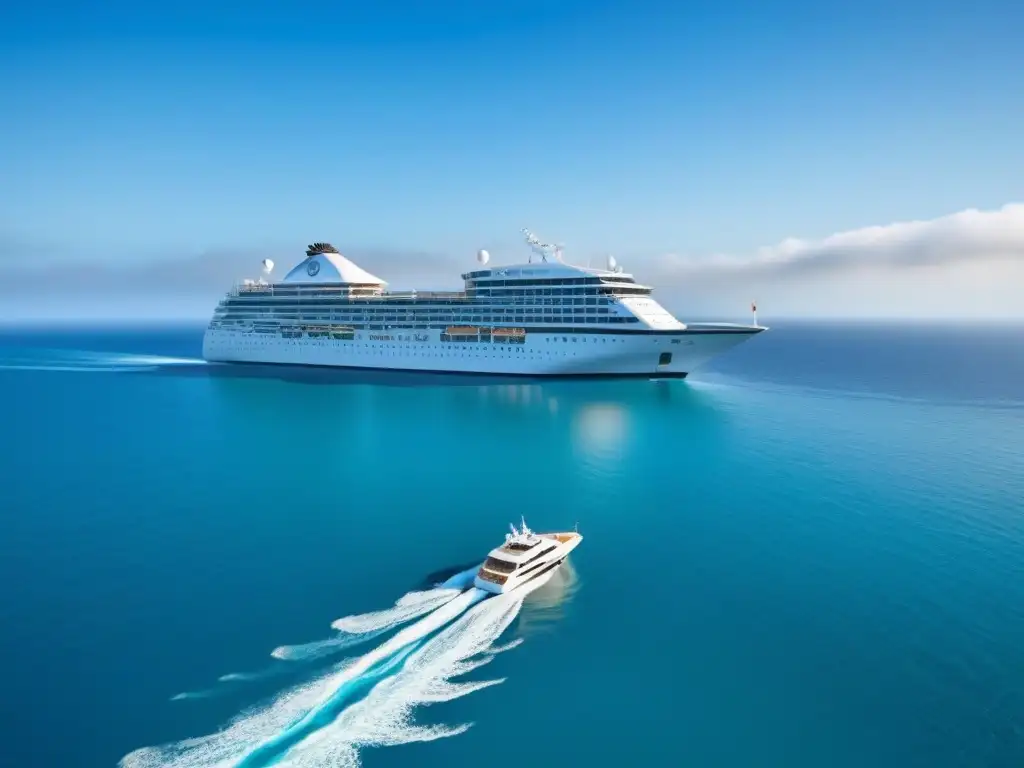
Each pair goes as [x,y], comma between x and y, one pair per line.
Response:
[542,249]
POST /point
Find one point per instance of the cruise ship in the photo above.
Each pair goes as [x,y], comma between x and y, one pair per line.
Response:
[524,557]
[544,317]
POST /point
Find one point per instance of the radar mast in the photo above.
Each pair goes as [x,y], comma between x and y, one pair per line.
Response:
[542,249]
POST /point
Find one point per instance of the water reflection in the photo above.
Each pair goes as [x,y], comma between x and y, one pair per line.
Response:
[547,605]
[552,432]
[601,431]
[599,419]
[336,377]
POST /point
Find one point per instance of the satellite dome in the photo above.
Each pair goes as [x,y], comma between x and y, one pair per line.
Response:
[268,265]
[483,256]
[611,262]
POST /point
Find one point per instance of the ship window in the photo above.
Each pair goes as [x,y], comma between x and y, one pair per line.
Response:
[665,358]
[499,566]
[541,553]
[535,569]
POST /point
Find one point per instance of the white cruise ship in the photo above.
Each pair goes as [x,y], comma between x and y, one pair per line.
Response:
[541,318]
[524,557]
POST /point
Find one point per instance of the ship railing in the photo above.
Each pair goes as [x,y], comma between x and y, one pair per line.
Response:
[275,289]
[424,295]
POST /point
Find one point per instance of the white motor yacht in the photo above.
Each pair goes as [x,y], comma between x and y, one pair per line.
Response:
[523,557]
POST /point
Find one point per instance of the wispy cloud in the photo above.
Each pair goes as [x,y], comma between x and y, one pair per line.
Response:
[969,263]
[970,236]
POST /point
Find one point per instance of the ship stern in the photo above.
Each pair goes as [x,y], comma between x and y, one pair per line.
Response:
[486,585]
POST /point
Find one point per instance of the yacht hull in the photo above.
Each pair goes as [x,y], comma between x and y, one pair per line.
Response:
[543,567]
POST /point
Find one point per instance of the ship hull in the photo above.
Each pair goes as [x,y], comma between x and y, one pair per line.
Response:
[669,354]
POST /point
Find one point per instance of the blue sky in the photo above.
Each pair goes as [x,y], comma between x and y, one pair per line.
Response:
[411,133]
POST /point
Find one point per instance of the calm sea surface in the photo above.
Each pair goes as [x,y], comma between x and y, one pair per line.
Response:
[809,554]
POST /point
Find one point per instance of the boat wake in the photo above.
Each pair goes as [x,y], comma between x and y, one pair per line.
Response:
[231,679]
[368,700]
[351,631]
[79,361]
[193,695]
[384,717]
[357,629]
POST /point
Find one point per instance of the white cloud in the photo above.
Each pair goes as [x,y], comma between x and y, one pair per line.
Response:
[969,263]
[969,235]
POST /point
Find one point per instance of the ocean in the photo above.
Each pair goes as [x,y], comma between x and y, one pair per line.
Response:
[811,553]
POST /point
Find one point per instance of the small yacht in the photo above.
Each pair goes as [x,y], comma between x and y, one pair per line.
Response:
[523,557]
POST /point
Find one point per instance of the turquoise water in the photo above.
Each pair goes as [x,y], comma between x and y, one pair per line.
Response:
[810,554]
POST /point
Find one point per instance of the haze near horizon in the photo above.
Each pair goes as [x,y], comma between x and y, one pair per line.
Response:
[840,162]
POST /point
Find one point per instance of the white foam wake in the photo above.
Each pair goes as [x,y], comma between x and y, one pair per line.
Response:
[421,629]
[294,709]
[364,626]
[80,361]
[190,695]
[230,744]
[408,607]
[298,720]
[157,360]
[384,717]
[233,678]
[239,677]
[326,647]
